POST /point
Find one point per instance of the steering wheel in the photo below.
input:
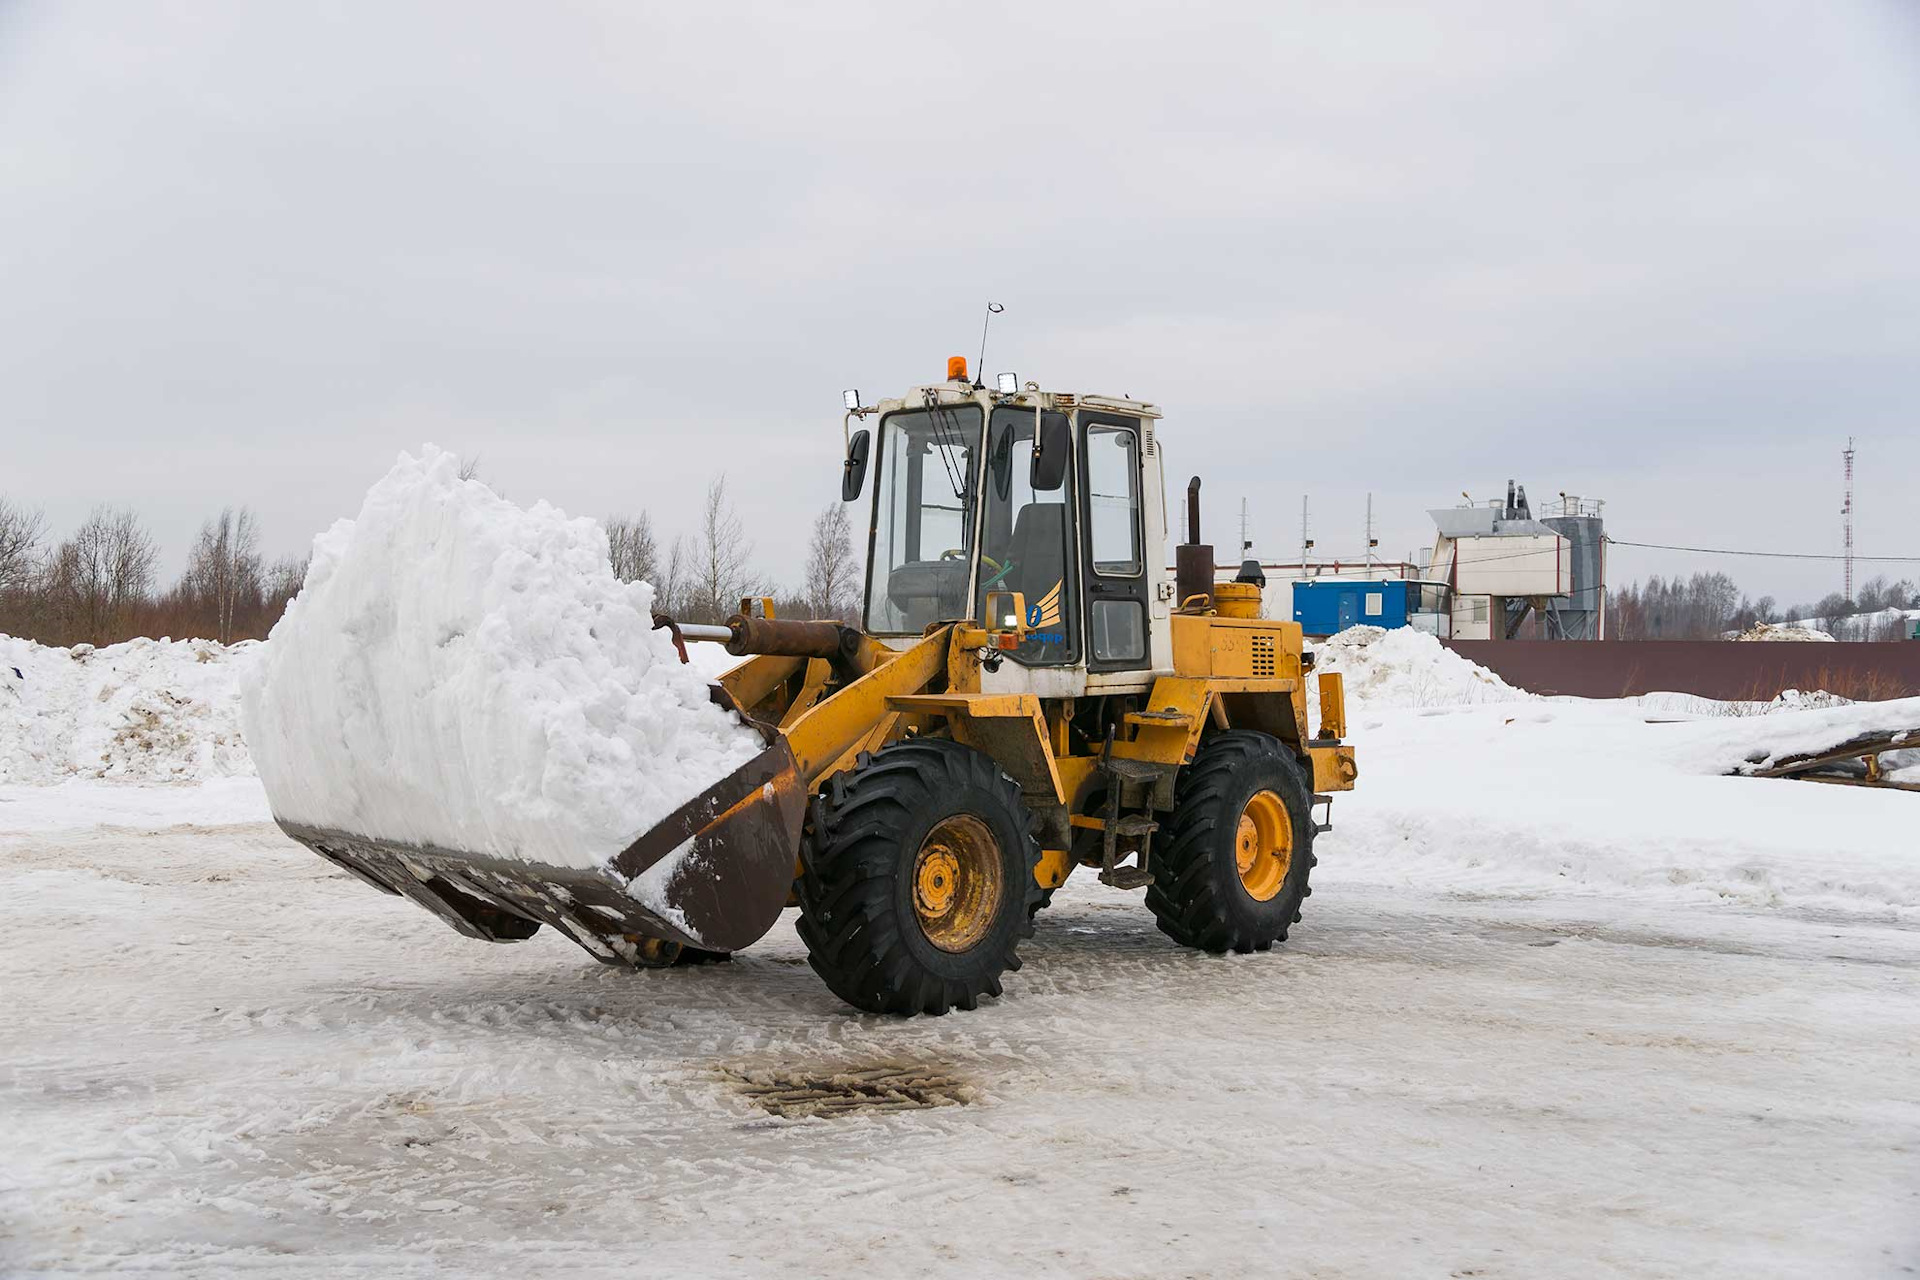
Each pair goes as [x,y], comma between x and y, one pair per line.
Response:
[960,553]
[1004,571]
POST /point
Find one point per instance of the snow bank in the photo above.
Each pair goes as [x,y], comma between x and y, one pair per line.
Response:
[143,711]
[1407,668]
[1469,784]
[460,671]
[1551,796]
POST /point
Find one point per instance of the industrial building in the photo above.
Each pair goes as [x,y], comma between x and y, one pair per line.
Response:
[1493,566]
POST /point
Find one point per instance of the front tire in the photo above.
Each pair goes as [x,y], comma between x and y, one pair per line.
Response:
[917,879]
[1239,847]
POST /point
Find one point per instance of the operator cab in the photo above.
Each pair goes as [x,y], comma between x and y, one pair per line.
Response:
[1054,496]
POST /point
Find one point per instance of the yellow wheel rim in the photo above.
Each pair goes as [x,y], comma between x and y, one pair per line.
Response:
[957,883]
[1263,846]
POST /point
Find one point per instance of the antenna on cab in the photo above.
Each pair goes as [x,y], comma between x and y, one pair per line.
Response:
[980,370]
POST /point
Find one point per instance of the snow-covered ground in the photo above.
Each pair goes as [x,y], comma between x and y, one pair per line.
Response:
[226,1058]
[1567,1001]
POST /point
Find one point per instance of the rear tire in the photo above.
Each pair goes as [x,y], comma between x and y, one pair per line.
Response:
[916,880]
[1238,850]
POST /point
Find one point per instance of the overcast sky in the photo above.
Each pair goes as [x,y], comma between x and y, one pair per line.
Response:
[1663,254]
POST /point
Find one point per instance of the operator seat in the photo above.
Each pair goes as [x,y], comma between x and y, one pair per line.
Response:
[1038,550]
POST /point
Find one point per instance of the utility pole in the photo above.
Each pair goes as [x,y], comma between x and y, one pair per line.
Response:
[1246,530]
[1371,544]
[1306,542]
[1846,515]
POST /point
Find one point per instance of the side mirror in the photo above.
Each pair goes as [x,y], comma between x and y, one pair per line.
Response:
[1052,442]
[853,472]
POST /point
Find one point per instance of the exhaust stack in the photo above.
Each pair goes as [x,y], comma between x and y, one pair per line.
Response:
[1193,559]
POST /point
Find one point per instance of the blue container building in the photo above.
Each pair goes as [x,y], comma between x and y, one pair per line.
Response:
[1323,607]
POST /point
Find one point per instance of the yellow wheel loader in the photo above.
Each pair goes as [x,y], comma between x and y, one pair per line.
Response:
[1029,694]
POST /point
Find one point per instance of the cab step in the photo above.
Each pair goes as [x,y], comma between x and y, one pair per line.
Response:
[1130,827]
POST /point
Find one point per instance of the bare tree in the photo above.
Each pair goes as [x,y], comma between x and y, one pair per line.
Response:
[223,571]
[20,533]
[631,549]
[671,593]
[831,567]
[280,583]
[722,556]
[97,576]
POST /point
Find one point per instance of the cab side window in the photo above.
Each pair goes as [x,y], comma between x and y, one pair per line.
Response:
[1113,499]
[1117,617]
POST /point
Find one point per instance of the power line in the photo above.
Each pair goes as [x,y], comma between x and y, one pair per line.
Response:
[1770,555]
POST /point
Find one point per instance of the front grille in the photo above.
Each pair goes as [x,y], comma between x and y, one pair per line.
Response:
[1263,655]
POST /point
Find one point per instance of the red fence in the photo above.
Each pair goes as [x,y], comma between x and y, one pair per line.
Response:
[1752,670]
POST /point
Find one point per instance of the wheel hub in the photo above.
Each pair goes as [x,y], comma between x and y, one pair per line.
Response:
[1263,846]
[934,882]
[957,883]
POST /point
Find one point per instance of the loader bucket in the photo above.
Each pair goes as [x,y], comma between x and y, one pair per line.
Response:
[724,894]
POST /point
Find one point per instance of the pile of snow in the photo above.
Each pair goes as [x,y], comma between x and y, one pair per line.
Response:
[1788,631]
[1407,668]
[143,711]
[460,671]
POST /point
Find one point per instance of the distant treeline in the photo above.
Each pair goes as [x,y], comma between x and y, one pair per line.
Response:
[100,583]
[1709,605]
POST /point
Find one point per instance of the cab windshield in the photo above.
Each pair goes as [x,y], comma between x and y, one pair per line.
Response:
[922,552]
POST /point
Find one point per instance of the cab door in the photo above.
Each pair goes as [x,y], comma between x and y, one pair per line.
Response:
[1113,551]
